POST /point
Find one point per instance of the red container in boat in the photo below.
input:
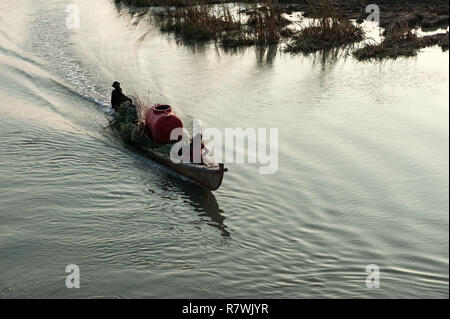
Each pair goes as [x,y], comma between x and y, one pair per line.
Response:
[160,121]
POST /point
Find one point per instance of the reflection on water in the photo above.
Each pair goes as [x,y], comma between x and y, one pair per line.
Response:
[264,54]
[204,202]
[362,179]
[200,199]
[329,57]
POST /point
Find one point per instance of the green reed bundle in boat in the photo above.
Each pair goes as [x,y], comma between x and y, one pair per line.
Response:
[130,124]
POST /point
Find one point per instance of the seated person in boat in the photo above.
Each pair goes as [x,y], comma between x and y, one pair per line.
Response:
[203,148]
[117,97]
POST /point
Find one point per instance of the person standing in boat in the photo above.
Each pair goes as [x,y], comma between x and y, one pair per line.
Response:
[117,97]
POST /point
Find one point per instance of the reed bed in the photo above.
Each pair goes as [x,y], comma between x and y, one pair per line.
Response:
[200,22]
[159,3]
[325,35]
[262,25]
[268,24]
[142,104]
[328,32]
[403,43]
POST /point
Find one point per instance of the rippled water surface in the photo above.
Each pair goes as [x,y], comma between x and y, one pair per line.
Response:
[362,179]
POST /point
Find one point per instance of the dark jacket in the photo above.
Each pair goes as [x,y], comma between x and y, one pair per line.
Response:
[117,98]
[191,150]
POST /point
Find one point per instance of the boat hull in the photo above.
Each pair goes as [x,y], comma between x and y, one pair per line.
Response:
[208,175]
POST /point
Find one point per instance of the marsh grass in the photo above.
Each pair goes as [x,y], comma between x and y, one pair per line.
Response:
[325,35]
[440,39]
[157,3]
[328,32]
[267,23]
[202,22]
[404,43]
[198,23]
[260,23]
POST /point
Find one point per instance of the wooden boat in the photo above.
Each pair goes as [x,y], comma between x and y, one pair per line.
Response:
[207,174]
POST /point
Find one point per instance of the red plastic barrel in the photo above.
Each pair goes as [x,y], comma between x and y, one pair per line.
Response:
[160,121]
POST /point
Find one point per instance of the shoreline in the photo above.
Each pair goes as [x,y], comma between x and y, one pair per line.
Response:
[264,24]
[431,15]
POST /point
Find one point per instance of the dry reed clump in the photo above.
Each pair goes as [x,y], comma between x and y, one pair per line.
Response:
[125,121]
[158,3]
[204,22]
[329,32]
[267,24]
[403,43]
[199,22]
[129,122]
[440,39]
[325,35]
[142,105]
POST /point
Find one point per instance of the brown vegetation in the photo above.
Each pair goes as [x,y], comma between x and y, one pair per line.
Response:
[329,32]
[262,26]
[325,35]
[401,44]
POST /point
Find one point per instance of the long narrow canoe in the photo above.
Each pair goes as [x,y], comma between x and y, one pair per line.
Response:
[208,175]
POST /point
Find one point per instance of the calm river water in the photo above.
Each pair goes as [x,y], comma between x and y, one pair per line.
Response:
[362,175]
